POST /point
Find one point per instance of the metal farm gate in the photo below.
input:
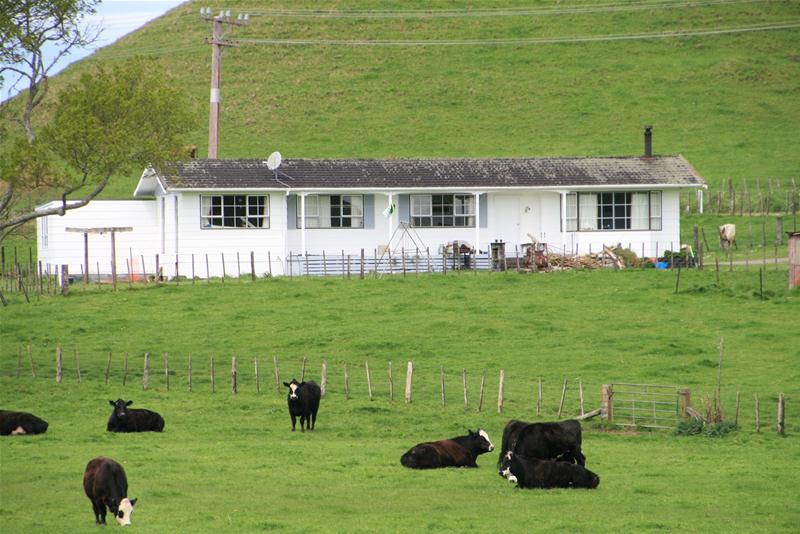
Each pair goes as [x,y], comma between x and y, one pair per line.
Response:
[644,405]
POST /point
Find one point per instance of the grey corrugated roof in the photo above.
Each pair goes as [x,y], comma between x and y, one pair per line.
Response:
[422,173]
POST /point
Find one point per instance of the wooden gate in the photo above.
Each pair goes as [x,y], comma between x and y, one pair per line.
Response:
[644,405]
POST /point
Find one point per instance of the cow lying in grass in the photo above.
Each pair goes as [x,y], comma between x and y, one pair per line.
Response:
[18,423]
[124,419]
[460,451]
[546,441]
[106,485]
[546,474]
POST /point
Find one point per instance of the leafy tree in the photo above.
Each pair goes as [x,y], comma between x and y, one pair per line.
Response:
[110,121]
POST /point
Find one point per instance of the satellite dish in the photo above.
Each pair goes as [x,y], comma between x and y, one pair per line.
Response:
[274,161]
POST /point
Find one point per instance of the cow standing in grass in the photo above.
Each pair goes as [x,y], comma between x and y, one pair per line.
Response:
[727,236]
[303,400]
[528,472]
[106,485]
[124,419]
[545,441]
[20,423]
[461,451]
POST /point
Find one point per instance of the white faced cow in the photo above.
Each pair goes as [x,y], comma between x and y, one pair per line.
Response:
[106,485]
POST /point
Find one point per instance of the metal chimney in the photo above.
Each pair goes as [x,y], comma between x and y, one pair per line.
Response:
[648,141]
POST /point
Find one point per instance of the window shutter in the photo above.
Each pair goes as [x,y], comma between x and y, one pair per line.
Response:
[484,205]
[291,212]
[369,211]
[404,208]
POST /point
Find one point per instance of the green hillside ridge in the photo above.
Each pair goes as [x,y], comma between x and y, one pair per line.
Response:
[726,102]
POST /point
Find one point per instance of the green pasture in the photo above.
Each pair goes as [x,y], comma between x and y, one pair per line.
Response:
[230,463]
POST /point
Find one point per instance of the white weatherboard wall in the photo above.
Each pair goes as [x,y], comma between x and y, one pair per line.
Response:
[62,247]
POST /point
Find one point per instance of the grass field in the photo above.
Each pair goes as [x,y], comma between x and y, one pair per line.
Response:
[229,462]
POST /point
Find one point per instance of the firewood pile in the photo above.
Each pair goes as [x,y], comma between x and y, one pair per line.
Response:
[608,258]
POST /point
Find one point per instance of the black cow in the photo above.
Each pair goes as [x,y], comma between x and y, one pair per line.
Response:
[546,474]
[303,402]
[510,433]
[545,441]
[124,419]
[106,485]
[460,451]
[17,423]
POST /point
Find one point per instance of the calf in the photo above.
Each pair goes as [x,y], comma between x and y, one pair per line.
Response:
[106,485]
[460,451]
[550,441]
[546,474]
[303,400]
[124,419]
[16,423]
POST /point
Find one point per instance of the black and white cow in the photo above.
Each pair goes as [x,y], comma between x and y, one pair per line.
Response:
[106,485]
[461,451]
[124,419]
[546,474]
[18,423]
[545,441]
[303,400]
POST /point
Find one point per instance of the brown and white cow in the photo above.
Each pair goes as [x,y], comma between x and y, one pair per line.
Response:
[106,485]
[461,451]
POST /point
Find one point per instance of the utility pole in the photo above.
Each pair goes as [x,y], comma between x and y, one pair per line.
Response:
[217,42]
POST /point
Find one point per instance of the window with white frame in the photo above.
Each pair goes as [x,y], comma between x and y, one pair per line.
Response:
[433,211]
[639,210]
[234,211]
[332,211]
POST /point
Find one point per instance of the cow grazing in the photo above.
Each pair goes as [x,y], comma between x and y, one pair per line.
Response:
[546,441]
[460,451]
[106,485]
[124,419]
[727,236]
[19,423]
[546,474]
[303,400]
[510,433]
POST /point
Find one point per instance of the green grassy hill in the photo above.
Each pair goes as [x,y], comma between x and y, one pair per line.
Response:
[727,102]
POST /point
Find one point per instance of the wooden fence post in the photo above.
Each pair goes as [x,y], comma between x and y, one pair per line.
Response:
[607,403]
[277,374]
[441,383]
[208,273]
[190,373]
[108,367]
[580,391]
[736,414]
[166,369]
[78,365]
[59,367]
[369,380]
[30,361]
[539,398]
[781,422]
[391,384]
[480,395]
[252,266]
[213,378]
[303,370]
[464,379]
[238,267]
[125,369]
[146,371]
[346,382]
[324,385]
[234,376]
[361,271]
[685,402]
[563,395]
[258,378]
[501,391]
[758,413]
[64,280]
[409,381]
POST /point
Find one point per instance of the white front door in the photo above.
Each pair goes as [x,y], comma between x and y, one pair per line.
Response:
[504,221]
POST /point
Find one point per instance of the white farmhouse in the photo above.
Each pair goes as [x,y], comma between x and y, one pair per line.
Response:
[206,212]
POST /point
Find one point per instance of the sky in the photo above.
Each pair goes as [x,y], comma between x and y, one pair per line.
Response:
[116,18]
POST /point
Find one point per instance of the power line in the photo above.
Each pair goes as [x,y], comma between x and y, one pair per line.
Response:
[494,12]
[785,25]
